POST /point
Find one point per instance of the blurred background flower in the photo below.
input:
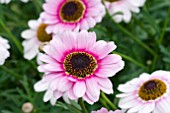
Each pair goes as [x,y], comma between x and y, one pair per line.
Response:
[35,38]
[4,53]
[8,1]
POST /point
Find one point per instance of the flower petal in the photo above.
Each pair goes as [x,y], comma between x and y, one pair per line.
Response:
[110,59]
[93,87]
[79,88]
[48,95]
[109,70]
[27,34]
[87,99]
[65,84]
[71,94]
[148,107]
[40,86]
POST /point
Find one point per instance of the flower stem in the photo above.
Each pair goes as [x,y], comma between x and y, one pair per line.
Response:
[125,31]
[38,5]
[135,39]
[130,59]
[164,27]
[11,36]
[74,108]
[80,101]
[154,62]
[17,76]
[161,39]
[108,101]
[102,101]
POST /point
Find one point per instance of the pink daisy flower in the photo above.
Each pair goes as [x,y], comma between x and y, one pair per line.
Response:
[146,94]
[72,15]
[104,110]
[76,64]
[120,10]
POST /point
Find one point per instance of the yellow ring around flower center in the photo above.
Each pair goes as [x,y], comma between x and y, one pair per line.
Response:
[152,89]
[72,11]
[42,34]
[80,64]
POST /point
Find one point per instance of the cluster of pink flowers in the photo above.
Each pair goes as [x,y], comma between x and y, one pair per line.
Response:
[75,64]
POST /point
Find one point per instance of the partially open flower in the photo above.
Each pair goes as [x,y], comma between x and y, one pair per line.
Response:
[72,15]
[146,94]
[120,10]
[76,64]
[27,107]
[4,53]
[104,110]
[35,38]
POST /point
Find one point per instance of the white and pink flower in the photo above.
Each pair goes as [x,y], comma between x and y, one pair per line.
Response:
[76,64]
[35,38]
[7,1]
[121,10]
[4,1]
[25,1]
[4,53]
[72,15]
[104,110]
[146,94]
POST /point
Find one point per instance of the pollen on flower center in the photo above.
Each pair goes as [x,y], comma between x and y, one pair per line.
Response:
[42,34]
[152,89]
[72,11]
[80,64]
[112,0]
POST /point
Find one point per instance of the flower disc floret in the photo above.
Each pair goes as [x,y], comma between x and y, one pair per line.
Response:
[80,64]
[152,89]
[42,34]
[72,11]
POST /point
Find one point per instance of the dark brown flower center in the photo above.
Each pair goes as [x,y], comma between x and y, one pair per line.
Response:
[42,34]
[80,64]
[112,0]
[152,89]
[72,11]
